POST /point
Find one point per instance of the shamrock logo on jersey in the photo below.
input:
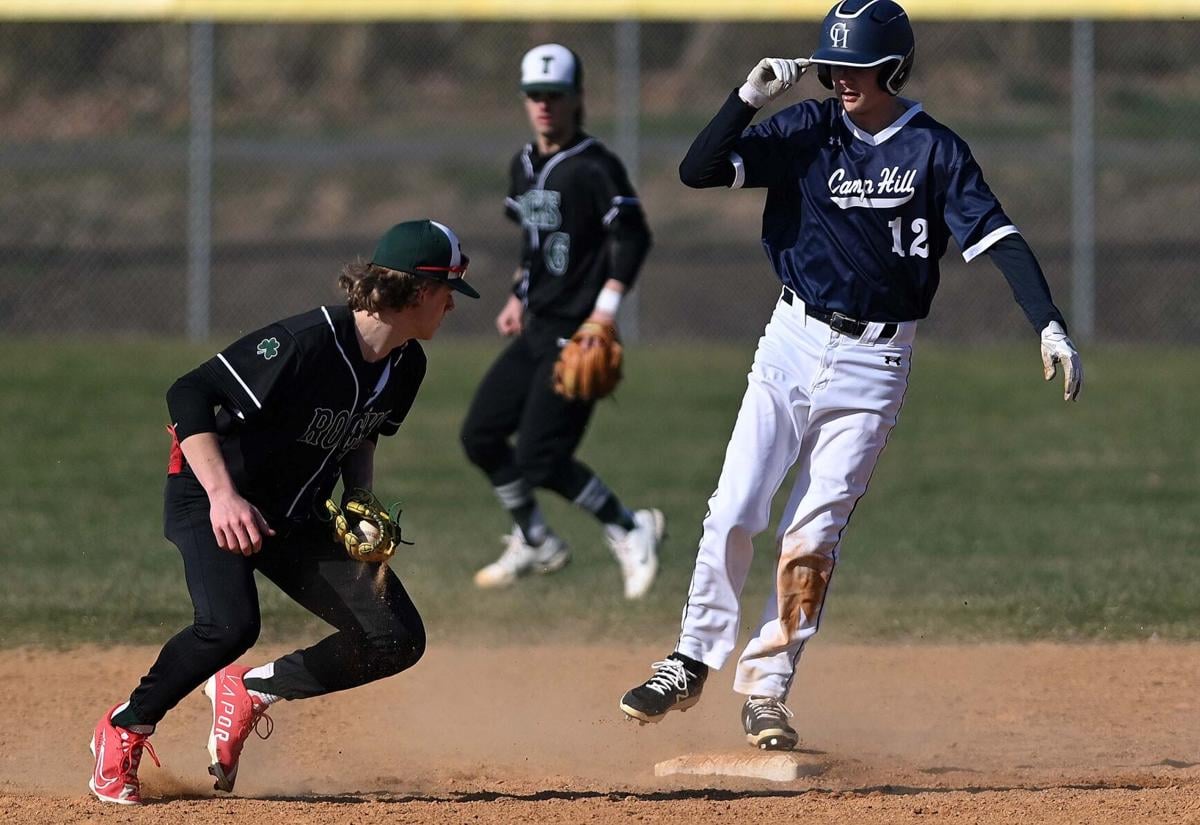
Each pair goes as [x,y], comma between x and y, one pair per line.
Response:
[268,348]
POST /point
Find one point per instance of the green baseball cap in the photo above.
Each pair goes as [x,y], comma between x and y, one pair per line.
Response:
[427,249]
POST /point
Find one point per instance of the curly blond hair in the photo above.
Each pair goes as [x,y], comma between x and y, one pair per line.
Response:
[374,288]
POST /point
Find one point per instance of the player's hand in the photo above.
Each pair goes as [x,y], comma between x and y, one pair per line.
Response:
[1058,349]
[510,319]
[237,524]
[770,78]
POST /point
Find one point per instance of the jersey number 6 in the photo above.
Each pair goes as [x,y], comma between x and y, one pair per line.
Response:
[918,248]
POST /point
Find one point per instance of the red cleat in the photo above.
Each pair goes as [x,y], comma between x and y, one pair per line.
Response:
[235,714]
[118,752]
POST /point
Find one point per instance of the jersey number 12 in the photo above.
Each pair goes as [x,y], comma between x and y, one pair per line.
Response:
[918,248]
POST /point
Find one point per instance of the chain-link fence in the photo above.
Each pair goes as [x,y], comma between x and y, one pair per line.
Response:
[323,135]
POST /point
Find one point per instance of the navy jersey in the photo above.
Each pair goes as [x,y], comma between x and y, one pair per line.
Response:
[856,223]
[293,399]
[582,224]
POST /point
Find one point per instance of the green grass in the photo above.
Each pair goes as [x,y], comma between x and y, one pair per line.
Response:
[997,511]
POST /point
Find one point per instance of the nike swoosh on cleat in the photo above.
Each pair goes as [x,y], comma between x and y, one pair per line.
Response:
[104,780]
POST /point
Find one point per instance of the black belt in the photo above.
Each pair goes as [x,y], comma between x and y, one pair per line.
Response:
[839,322]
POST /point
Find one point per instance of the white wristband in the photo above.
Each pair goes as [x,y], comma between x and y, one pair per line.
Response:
[608,301]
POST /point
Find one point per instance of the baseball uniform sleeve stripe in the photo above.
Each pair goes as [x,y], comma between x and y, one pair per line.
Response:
[249,392]
[739,170]
[975,250]
[617,203]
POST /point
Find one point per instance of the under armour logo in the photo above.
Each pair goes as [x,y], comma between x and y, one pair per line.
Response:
[891,360]
[839,33]
[546,61]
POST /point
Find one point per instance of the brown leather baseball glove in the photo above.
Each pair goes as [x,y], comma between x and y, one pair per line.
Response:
[589,366]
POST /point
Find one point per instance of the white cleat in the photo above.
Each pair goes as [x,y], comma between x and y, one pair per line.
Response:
[637,551]
[520,558]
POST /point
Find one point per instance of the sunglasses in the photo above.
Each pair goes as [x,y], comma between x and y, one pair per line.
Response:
[545,97]
[452,273]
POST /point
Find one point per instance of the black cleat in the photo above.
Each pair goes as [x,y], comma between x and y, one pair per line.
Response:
[766,722]
[675,685]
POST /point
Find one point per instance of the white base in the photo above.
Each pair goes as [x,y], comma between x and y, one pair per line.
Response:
[774,767]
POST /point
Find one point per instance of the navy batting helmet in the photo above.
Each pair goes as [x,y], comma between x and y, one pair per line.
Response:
[865,33]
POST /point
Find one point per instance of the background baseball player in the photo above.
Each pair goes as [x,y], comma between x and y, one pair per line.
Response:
[584,238]
[298,404]
[864,191]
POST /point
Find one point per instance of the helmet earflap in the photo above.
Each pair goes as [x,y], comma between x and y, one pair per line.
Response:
[892,75]
[893,81]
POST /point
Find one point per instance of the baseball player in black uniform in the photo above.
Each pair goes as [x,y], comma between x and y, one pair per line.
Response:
[262,433]
[584,238]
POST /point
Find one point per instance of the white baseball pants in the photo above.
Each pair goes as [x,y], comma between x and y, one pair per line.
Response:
[827,401]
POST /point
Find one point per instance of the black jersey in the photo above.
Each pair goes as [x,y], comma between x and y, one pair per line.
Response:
[582,225]
[292,400]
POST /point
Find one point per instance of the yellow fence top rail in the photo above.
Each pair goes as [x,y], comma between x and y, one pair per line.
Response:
[350,10]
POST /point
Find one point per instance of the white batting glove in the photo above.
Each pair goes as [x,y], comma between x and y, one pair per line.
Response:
[1058,349]
[770,78]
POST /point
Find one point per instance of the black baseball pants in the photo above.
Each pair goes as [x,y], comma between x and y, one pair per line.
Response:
[516,397]
[379,632]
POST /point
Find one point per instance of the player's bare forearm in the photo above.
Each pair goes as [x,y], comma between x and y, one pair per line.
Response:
[237,524]
[203,454]
[358,467]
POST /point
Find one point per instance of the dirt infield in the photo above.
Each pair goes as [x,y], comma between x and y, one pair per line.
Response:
[988,733]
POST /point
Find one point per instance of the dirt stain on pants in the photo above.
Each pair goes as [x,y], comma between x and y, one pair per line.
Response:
[802,581]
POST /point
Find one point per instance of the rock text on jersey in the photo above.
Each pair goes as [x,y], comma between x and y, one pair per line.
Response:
[327,427]
[847,192]
[540,209]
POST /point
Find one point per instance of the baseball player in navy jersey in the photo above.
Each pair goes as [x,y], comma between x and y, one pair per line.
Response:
[583,240]
[262,434]
[864,191]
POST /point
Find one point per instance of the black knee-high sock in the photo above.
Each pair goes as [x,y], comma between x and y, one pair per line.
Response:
[517,498]
[612,511]
[529,519]
[603,503]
